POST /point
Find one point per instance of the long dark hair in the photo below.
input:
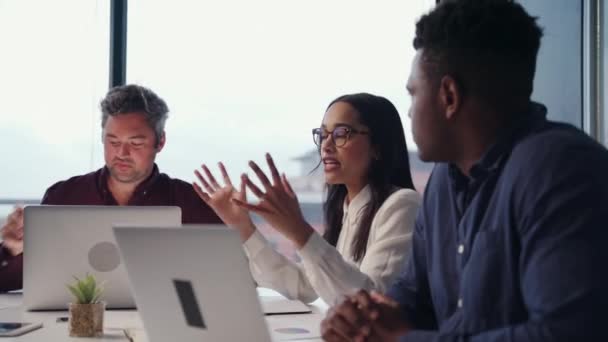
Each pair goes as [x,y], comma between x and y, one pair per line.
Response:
[391,168]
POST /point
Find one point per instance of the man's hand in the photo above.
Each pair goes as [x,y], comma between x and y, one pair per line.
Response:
[345,322]
[365,317]
[387,319]
[12,232]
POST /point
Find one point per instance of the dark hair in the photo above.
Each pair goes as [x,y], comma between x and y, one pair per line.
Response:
[488,46]
[390,169]
[134,98]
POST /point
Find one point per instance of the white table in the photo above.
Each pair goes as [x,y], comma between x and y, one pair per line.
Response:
[116,321]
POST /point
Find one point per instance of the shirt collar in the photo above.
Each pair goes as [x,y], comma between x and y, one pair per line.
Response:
[497,152]
[359,202]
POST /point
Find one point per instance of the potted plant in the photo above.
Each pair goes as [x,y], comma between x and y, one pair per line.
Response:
[86,313]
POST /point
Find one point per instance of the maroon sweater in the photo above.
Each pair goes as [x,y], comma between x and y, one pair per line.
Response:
[92,189]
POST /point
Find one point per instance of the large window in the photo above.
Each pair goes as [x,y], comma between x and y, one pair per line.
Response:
[241,78]
[248,77]
[559,78]
[54,71]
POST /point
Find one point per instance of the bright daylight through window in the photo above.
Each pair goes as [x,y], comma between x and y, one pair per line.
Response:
[242,78]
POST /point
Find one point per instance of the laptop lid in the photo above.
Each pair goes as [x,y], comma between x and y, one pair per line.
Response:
[65,241]
[192,284]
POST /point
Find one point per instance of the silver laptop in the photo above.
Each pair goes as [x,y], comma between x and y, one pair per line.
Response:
[193,284]
[65,241]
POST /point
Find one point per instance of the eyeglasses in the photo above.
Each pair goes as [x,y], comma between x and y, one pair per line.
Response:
[339,135]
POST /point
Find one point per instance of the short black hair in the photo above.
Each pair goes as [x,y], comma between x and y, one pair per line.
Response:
[488,46]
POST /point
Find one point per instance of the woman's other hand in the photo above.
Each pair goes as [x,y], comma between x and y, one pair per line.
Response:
[278,204]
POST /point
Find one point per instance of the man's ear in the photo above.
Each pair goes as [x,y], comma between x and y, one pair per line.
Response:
[161,142]
[450,95]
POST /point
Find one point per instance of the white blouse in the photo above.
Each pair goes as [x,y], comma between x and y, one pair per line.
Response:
[330,272]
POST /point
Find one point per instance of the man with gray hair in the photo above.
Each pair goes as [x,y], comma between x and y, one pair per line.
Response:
[133,122]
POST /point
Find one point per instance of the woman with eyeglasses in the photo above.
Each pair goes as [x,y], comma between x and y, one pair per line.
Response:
[369,209]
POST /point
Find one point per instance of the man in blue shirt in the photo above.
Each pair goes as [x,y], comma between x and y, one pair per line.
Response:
[511,243]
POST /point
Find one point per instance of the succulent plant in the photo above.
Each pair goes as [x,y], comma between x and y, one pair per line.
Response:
[86,290]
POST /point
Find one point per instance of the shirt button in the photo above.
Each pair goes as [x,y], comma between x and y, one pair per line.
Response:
[460,249]
[459,303]
[4,263]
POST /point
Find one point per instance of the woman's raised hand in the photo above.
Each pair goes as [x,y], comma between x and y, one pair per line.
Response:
[278,204]
[222,200]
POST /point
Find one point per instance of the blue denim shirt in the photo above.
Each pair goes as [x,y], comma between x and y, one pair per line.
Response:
[518,251]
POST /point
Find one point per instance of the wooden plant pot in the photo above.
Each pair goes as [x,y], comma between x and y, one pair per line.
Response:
[86,320]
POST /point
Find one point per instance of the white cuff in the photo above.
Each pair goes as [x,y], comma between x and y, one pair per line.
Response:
[315,248]
[255,244]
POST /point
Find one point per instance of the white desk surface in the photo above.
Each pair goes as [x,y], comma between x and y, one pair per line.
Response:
[116,321]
